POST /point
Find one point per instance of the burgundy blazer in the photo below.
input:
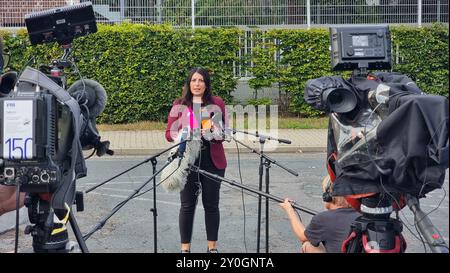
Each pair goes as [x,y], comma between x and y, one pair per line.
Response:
[179,118]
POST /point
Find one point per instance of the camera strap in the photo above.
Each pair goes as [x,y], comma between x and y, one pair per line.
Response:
[65,193]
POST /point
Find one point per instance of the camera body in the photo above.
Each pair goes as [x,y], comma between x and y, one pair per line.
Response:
[35,133]
[43,129]
[382,127]
[387,141]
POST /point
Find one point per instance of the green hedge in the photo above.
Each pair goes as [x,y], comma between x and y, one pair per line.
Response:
[142,67]
[423,55]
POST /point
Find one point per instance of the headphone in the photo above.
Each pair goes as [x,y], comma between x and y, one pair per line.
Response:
[327,196]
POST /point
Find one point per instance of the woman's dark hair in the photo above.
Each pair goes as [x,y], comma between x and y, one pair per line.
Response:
[186,97]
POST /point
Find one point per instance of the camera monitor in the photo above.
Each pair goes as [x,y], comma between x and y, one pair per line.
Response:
[360,47]
[61,24]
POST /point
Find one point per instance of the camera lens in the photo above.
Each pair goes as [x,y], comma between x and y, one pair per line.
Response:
[340,100]
[335,98]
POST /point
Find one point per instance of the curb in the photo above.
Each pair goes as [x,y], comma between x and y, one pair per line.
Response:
[283,149]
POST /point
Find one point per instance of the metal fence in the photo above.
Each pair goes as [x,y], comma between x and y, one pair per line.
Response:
[245,13]
[272,13]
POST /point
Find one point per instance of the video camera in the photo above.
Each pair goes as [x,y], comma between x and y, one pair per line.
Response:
[45,128]
[369,114]
[387,140]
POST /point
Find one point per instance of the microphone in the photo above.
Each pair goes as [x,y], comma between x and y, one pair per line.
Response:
[207,119]
[7,82]
[220,129]
[182,146]
[90,93]
[281,140]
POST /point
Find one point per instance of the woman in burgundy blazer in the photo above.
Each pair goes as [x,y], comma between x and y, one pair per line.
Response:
[198,109]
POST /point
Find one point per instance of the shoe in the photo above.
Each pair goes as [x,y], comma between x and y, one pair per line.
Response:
[185,251]
[212,250]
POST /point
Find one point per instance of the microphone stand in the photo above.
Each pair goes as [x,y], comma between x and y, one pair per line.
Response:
[250,189]
[264,161]
[153,210]
[134,167]
[153,178]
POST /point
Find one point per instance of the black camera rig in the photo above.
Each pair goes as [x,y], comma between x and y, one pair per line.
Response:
[45,128]
[387,141]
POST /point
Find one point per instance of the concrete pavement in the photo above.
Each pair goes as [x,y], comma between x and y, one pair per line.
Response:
[151,142]
[148,143]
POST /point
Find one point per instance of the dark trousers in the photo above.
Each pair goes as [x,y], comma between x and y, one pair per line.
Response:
[210,190]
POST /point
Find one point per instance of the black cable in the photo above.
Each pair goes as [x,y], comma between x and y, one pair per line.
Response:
[25,66]
[242,196]
[298,214]
[144,192]
[93,152]
[231,187]
[382,171]
[82,80]
[102,223]
[119,205]
[428,152]
[198,182]
[421,239]
[255,195]
[16,237]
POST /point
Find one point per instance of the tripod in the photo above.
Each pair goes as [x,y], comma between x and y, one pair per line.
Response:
[48,236]
[264,165]
[152,178]
[376,232]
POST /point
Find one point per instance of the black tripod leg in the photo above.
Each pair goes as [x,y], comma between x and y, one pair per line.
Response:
[154,211]
[259,206]
[77,232]
[267,206]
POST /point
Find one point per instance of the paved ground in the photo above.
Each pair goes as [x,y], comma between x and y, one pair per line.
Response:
[131,229]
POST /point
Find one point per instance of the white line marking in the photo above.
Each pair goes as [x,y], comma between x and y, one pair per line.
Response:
[138,198]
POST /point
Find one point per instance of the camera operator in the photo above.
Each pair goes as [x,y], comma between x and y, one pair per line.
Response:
[8,199]
[327,230]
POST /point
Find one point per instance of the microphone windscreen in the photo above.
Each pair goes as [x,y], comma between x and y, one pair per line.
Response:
[91,91]
[184,136]
[7,82]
